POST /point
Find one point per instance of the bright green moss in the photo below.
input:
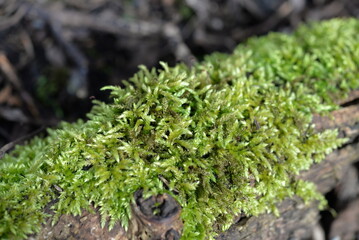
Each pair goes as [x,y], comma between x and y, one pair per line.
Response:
[229,135]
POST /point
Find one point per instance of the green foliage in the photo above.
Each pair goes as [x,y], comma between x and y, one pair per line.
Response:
[229,135]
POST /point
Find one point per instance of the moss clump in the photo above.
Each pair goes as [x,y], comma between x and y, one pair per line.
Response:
[228,135]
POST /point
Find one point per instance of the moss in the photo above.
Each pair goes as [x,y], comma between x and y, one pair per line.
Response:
[229,135]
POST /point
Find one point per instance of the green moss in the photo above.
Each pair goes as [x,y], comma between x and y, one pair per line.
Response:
[228,135]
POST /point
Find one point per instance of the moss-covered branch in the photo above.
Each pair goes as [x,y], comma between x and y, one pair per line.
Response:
[227,136]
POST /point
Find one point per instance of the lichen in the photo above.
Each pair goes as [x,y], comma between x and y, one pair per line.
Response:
[228,136]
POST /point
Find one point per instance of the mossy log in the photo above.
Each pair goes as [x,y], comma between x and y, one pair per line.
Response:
[296,219]
[187,152]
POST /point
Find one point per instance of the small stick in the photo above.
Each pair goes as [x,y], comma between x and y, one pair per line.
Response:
[10,145]
[10,73]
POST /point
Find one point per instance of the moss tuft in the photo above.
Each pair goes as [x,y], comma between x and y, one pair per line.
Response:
[229,135]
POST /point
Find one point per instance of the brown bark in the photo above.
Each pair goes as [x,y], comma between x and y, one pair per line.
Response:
[296,219]
[165,224]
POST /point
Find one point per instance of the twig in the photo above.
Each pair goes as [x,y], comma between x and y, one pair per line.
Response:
[7,22]
[328,11]
[78,82]
[283,11]
[12,144]
[110,23]
[85,4]
[10,73]
[28,48]
[180,49]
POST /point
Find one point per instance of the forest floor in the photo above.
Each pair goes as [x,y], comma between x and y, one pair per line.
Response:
[56,55]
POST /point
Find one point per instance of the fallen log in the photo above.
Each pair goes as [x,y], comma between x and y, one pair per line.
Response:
[295,221]
[187,152]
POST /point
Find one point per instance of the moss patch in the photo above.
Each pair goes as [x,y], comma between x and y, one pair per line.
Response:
[228,136]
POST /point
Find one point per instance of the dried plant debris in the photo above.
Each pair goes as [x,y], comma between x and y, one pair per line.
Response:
[227,136]
[63,51]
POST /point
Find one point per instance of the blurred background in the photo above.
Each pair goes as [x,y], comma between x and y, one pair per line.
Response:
[55,55]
